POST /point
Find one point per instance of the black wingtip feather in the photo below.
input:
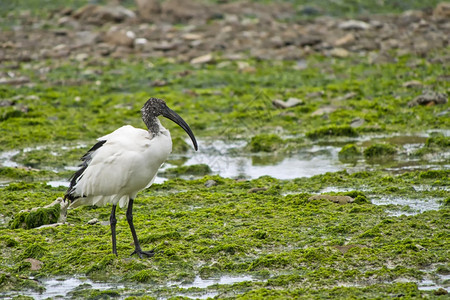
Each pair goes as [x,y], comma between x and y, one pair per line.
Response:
[86,159]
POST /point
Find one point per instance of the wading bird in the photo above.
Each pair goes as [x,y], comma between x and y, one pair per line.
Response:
[124,162]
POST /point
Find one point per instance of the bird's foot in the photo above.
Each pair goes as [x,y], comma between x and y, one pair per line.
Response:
[142,253]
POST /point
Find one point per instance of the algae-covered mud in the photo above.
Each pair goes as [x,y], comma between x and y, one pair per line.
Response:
[323,163]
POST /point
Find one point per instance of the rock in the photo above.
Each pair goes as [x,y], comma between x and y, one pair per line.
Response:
[35,264]
[14,80]
[148,9]
[99,15]
[354,25]
[339,52]
[119,37]
[440,292]
[346,40]
[308,40]
[179,11]
[84,38]
[324,110]
[202,59]
[165,46]
[81,57]
[347,96]
[429,99]
[357,122]
[291,102]
[412,84]
[210,183]
[333,198]
[442,11]
[54,213]
[315,94]
[192,36]
[93,221]
[6,103]
[410,16]
[257,189]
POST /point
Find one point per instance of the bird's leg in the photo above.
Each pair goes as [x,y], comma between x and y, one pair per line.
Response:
[113,222]
[137,246]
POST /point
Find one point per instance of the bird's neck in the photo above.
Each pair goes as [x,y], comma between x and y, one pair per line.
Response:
[153,125]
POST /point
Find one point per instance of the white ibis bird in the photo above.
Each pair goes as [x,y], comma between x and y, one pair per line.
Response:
[124,162]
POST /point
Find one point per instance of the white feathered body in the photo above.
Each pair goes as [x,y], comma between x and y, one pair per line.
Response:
[125,164]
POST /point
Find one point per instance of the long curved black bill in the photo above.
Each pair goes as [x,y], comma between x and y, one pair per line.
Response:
[173,116]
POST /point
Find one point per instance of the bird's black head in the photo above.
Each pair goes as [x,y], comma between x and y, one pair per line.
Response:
[155,107]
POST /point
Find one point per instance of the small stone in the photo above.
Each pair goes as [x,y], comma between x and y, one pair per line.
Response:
[159,82]
[35,264]
[440,292]
[165,46]
[192,36]
[442,11]
[357,122]
[81,56]
[354,25]
[242,65]
[147,9]
[210,183]
[429,99]
[315,94]
[119,37]
[347,96]
[412,84]
[93,221]
[99,15]
[335,199]
[257,189]
[291,102]
[345,40]
[14,80]
[324,110]
[202,59]
[339,52]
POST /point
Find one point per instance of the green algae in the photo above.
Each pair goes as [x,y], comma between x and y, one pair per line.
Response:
[226,229]
[349,152]
[378,151]
[197,170]
[333,130]
[265,143]
[36,218]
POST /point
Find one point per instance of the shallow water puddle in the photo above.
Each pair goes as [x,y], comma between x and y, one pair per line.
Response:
[63,287]
[307,162]
[60,288]
[407,206]
[227,279]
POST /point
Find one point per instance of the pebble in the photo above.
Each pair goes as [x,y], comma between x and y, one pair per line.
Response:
[202,59]
[354,25]
[210,183]
[93,221]
[291,102]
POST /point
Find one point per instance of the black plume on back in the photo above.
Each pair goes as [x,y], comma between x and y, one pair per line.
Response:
[86,159]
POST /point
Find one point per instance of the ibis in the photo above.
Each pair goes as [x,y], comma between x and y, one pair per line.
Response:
[124,162]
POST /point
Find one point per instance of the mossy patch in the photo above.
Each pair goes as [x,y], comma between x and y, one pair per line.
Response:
[197,170]
[379,151]
[333,130]
[349,152]
[265,143]
[36,217]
